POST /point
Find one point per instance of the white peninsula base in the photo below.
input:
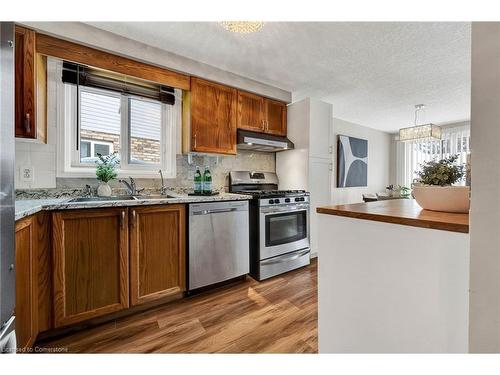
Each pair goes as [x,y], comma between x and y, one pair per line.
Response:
[390,288]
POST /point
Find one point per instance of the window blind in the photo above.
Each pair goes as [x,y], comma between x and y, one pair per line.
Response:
[86,76]
[410,155]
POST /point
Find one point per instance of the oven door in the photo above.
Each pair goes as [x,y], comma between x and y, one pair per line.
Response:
[283,229]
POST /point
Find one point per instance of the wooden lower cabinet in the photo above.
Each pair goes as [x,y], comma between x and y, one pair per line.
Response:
[157,253]
[26,291]
[90,263]
[97,252]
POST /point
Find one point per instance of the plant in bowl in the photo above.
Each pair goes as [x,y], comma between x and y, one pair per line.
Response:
[105,172]
[441,173]
[433,189]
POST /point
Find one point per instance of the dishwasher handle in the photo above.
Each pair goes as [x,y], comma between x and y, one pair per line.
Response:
[214,211]
[216,208]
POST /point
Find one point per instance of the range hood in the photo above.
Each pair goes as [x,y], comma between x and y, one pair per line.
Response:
[248,140]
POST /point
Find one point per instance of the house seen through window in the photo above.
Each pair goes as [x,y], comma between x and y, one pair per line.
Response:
[105,117]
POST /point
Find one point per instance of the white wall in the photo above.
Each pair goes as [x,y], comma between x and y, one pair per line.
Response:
[379,161]
[484,329]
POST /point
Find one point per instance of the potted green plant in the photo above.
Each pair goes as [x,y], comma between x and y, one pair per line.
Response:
[105,172]
[434,188]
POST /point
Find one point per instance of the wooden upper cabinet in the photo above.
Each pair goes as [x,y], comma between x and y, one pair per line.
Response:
[26,291]
[25,83]
[251,114]
[213,117]
[275,117]
[260,114]
[90,263]
[157,253]
[30,87]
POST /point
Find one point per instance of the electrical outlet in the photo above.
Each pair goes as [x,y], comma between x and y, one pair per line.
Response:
[27,173]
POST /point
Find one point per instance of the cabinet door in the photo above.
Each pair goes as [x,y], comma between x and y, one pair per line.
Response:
[250,112]
[213,117]
[157,253]
[25,83]
[90,263]
[26,317]
[275,117]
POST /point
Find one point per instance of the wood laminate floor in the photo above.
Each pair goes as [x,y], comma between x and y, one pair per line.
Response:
[274,316]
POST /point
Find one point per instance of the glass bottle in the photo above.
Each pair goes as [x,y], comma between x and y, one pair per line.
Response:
[198,185]
[207,181]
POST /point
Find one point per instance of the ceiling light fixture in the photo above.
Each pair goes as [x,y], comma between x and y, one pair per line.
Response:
[242,27]
[427,131]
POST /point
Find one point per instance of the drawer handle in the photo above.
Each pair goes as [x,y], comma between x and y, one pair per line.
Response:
[285,259]
[134,218]
[27,123]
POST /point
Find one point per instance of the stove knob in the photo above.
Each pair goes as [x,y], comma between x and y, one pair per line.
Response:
[302,199]
[297,199]
[271,201]
[287,200]
[276,201]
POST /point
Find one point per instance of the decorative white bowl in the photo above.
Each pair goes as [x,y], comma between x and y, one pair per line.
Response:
[443,198]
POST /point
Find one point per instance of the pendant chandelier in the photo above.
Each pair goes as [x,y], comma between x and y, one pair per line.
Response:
[242,27]
[426,131]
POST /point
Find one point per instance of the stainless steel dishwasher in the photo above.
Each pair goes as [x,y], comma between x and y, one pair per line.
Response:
[218,242]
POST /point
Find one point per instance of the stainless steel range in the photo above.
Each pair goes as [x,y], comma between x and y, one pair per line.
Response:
[279,224]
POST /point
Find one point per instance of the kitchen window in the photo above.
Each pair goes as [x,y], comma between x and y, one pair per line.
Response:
[142,131]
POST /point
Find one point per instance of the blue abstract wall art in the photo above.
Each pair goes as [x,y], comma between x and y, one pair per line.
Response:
[352,162]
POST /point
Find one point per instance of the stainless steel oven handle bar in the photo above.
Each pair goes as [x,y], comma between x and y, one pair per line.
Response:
[275,209]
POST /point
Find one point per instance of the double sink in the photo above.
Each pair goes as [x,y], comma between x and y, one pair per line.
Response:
[121,198]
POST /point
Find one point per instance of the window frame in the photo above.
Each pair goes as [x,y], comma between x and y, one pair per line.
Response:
[69,164]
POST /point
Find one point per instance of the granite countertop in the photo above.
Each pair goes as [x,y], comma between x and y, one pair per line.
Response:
[401,211]
[31,206]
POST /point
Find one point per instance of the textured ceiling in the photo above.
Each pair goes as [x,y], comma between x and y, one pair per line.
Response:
[372,73]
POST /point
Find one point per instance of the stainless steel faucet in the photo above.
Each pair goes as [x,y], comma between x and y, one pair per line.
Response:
[163,188]
[131,187]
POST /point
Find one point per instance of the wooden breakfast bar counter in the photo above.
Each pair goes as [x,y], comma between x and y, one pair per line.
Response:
[392,278]
[401,211]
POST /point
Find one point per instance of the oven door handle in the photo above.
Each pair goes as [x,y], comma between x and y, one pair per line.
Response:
[287,258]
[275,210]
